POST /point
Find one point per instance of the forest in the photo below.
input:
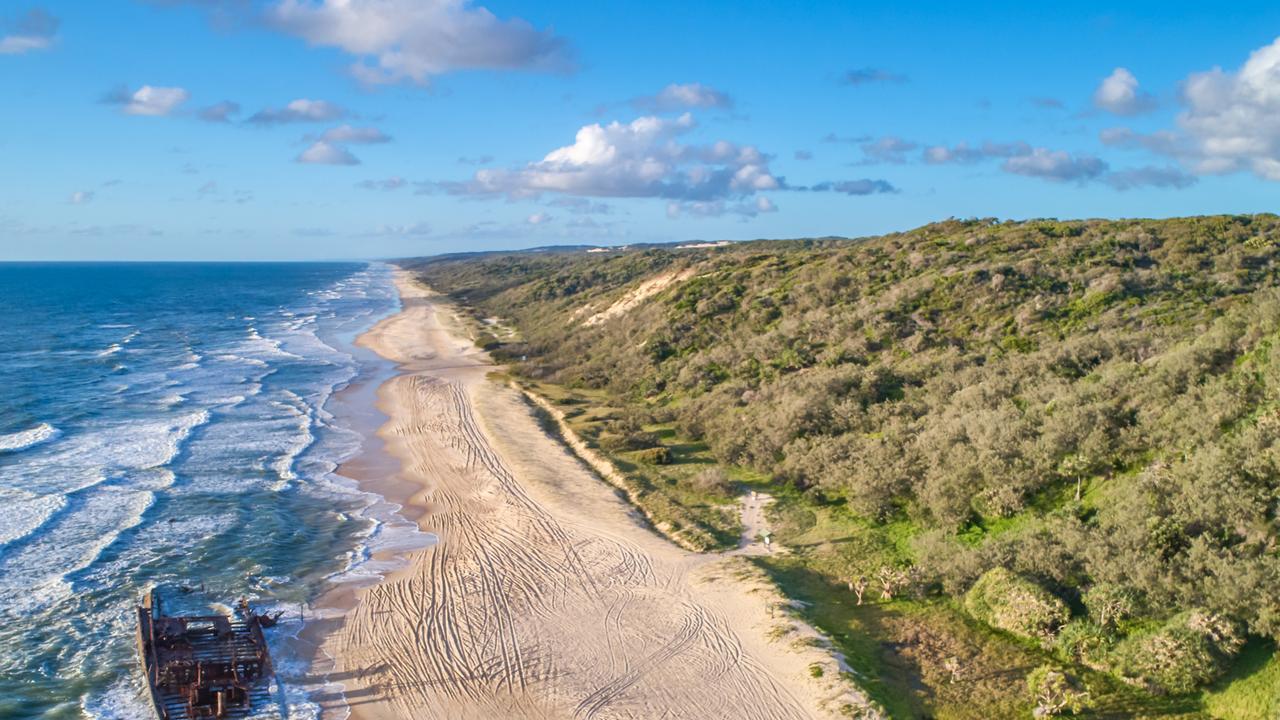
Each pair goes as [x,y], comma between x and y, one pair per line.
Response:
[1062,437]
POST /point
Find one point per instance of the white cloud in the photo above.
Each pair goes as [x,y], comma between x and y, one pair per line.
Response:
[32,31]
[299,111]
[148,100]
[399,40]
[538,218]
[354,135]
[80,197]
[323,153]
[1119,93]
[1233,118]
[1056,165]
[681,97]
[643,158]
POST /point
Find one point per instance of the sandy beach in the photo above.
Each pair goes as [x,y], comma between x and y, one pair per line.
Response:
[546,595]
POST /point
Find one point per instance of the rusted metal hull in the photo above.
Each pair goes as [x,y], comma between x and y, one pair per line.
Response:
[204,667]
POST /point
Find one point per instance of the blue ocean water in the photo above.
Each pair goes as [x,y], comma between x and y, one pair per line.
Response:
[170,424]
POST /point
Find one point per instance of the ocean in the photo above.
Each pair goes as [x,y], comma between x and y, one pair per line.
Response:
[173,424]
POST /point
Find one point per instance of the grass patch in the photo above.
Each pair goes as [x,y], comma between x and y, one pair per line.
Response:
[1251,690]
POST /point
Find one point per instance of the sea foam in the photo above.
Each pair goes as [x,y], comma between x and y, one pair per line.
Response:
[44,432]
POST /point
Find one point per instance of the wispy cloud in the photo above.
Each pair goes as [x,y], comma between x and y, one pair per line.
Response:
[147,100]
[688,96]
[871,76]
[1150,176]
[386,185]
[346,134]
[33,30]
[888,149]
[301,110]
[80,197]
[865,186]
[219,112]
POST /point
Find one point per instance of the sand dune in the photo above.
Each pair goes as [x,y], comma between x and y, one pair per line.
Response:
[546,597]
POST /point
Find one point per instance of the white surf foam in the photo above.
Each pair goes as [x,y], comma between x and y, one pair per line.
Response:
[44,432]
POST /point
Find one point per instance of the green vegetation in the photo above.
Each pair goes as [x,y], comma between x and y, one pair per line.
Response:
[1067,430]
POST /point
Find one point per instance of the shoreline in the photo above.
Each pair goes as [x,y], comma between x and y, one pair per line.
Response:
[544,596]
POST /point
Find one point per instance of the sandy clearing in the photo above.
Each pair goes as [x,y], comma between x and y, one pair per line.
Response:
[545,596]
[639,294]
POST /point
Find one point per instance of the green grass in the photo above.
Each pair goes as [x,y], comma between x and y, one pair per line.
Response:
[1251,691]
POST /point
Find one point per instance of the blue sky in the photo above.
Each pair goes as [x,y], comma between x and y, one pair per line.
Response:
[282,129]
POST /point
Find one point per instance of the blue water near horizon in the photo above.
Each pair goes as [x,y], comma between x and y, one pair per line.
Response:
[170,424]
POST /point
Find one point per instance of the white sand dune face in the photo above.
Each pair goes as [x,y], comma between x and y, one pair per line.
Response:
[544,598]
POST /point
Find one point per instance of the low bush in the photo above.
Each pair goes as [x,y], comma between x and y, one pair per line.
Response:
[654,456]
[1015,604]
[713,480]
[1055,693]
[1191,649]
[1085,642]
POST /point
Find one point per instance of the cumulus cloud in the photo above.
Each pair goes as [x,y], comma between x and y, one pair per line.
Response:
[1232,119]
[870,75]
[412,40]
[642,158]
[219,112]
[888,149]
[388,184]
[301,110]
[34,30]
[1119,93]
[323,153]
[346,134]
[148,100]
[683,97]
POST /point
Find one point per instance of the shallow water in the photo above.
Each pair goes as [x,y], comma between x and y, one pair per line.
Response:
[171,423]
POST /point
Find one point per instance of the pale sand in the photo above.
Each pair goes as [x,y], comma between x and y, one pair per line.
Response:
[546,596]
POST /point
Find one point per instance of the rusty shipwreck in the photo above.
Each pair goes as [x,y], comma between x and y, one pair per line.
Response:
[205,666]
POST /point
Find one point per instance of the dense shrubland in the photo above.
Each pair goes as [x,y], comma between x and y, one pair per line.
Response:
[1079,417]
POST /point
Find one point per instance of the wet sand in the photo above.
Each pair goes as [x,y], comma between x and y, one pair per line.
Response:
[546,596]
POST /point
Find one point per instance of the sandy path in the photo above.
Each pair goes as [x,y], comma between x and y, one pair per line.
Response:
[545,598]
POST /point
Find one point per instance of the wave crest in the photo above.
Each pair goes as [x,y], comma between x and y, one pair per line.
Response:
[44,432]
